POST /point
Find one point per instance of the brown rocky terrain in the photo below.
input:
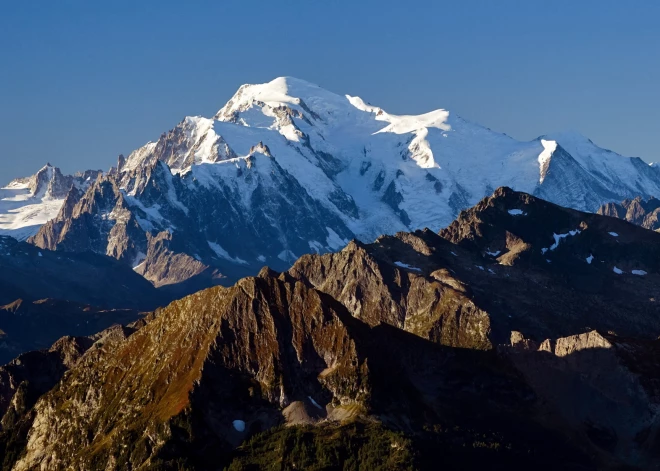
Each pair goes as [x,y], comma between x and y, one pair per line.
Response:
[523,335]
[645,213]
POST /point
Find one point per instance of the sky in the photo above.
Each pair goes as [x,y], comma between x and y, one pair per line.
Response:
[82,82]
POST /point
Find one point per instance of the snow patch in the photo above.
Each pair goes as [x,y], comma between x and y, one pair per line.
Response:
[493,254]
[517,212]
[315,246]
[544,157]
[333,240]
[222,253]
[618,271]
[405,265]
[558,238]
[613,234]
[638,272]
[287,256]
[590,259]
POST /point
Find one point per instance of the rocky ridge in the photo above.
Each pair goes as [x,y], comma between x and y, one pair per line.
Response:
[506,335]
[638,211]
[27,203]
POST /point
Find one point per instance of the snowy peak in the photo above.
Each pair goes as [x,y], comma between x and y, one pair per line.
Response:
[286,168]
[274,94]
[27,203]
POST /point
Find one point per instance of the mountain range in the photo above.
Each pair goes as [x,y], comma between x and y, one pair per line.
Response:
[522,335]
[296,169]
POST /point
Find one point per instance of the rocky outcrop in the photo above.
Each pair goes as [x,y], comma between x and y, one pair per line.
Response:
[219,365]
[645,213]
[245,353]
[367,280]
[32,374]
[513,262]
[177,228]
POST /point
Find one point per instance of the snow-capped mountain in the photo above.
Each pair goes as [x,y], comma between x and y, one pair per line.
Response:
[286,168]
[28,203]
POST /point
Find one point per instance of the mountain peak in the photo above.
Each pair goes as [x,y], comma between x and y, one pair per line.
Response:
[279,91]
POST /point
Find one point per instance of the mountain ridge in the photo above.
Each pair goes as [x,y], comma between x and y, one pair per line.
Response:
[297,169]
[520,334]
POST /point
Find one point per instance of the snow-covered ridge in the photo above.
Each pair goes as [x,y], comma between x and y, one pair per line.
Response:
[28,203]
[286,154]
[299,121]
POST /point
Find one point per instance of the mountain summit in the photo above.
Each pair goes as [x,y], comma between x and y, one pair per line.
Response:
[294,169]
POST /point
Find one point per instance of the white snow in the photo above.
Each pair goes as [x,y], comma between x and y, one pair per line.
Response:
[222,253]
[558,238]
[315,246]
[549,148]
[517,212]
[316,404]
[139,260]
[480,267]
[491,271]
[454,254]
[428,159]
[239,425]
[638,272]
[613,234]
[40,254]
[405,265]
[493,254]
[287,256]
[333,240]
[589,259]
[618,271]
[261,258]
[22,213]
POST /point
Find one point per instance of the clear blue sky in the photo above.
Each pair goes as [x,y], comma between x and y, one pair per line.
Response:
[82,81]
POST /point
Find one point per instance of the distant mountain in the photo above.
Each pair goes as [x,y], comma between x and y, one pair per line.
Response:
[27,203]
[645,213]
[286,168]
[30,273]
[36,325]
[522,336]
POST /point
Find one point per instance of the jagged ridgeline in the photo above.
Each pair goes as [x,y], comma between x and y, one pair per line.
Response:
[524,335]
[292,169]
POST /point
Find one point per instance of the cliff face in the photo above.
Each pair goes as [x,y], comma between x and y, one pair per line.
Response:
[523,335]
[645,213]
[260,346]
